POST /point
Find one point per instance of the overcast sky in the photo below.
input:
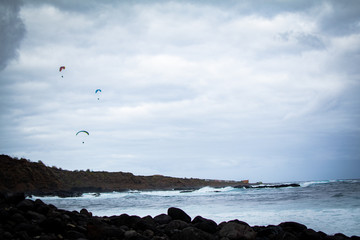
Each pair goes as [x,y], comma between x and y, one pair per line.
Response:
[260,90]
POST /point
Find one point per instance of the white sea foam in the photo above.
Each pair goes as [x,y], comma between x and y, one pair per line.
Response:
[306,184]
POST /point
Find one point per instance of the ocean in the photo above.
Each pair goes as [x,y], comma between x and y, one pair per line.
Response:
[331,206]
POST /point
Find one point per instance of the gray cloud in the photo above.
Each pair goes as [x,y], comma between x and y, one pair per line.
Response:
[340,17]
[12,30]
[305,41]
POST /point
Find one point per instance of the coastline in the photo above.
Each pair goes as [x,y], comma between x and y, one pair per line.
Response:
[35,178]
[23,218]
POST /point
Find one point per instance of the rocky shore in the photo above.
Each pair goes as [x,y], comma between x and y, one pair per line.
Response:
[22,218]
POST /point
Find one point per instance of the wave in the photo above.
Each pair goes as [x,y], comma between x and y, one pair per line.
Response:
[160,193]
[201,191]
[309,183]
[212,189]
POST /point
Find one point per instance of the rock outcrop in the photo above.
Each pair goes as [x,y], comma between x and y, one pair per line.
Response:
[22,175]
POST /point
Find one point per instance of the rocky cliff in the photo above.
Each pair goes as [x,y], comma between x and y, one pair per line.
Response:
[22,175]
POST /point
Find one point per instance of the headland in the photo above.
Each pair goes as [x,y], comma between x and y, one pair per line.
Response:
[35,178]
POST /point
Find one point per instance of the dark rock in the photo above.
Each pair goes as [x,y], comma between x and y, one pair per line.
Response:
[14,198]
[7,235]
[34,216]
[25,205]
[53,225]
[175,226]
[31,229]
[160,238]
[131,234]
[289,236]
[204,224]
[178,214]
[234,231]
[148,233]
[113,232]
[123,219]
[72,234]
[85,212]
[270,232]
[292,227]
[18,218]
[240,222]
[4,215]
[191,233]
[310,234]
[42,208]
[65,194]
[147,222]
[162,219]
[340,236]
[94,231]
[22,235]
[134,222]
[323,235]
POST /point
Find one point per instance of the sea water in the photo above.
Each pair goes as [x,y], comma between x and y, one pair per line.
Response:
[327,206]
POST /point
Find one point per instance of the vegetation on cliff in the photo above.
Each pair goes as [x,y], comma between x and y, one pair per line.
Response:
[22,175]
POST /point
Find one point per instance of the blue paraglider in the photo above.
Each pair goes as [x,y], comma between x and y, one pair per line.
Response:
[98,91]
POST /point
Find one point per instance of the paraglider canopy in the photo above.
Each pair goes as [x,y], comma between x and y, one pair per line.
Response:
[83,131]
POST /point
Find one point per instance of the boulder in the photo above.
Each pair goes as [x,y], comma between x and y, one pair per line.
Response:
[18,218]
[292,227]
[123,219]
[178,214]
[85,212]
[113,232]
[72,234]
[25,205]
[310,234]
[162,219]
[204,224]
[14,198]
[35,217]
[235,231]
[192,233]
[270,232]
[53,225]
[175,226]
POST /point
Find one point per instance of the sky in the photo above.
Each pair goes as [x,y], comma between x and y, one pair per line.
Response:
[261,90]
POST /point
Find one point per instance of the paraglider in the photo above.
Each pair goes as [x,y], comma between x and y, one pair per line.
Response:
[61,69]
[82,132]
[98,91]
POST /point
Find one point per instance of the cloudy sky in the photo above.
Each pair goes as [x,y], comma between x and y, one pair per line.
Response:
[260,90]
